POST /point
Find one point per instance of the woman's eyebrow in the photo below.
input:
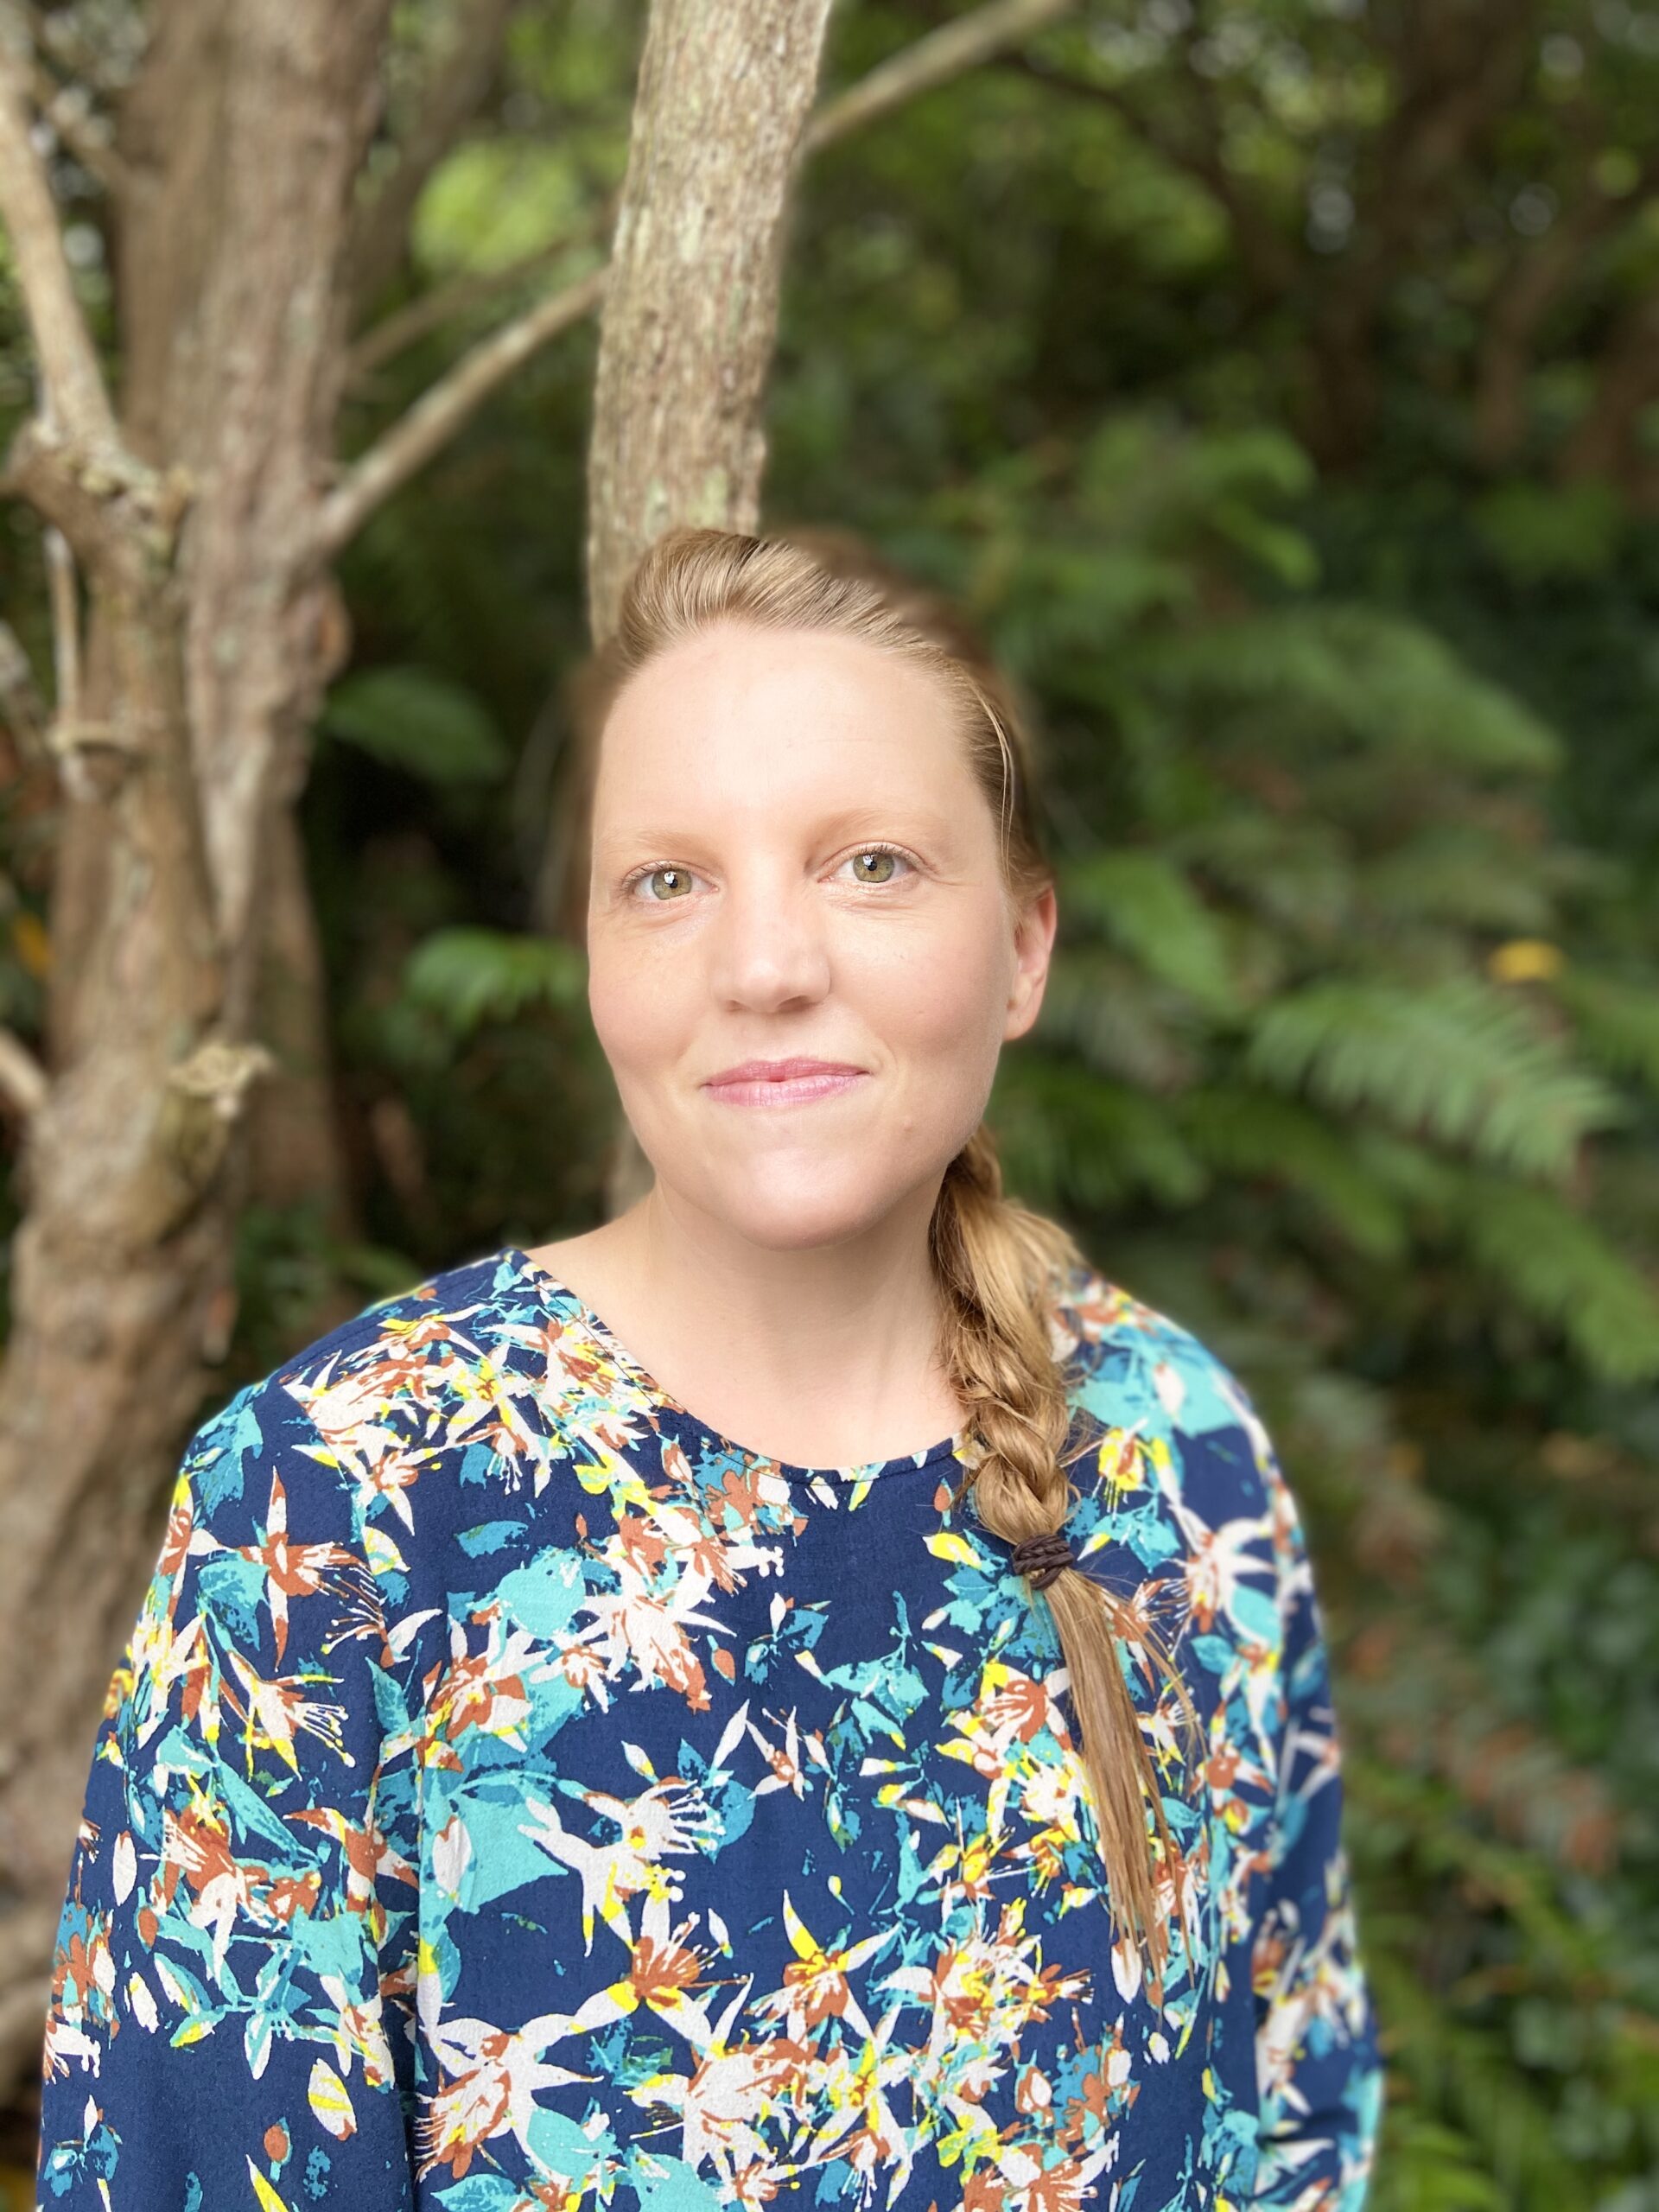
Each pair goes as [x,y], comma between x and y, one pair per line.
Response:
[896,813]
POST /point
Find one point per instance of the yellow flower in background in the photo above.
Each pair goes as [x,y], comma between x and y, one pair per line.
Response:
[1525,959]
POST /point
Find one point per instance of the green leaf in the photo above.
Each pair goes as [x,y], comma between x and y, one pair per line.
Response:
[418,721]
[1299,872]
[1146,903]
[1067,1138]
[1458,872]
[1380,678]
[1537,531]
[1117,1020]
[495,199]
[469,976]
[1245,1132]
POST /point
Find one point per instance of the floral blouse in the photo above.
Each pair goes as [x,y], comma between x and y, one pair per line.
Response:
[515,1795]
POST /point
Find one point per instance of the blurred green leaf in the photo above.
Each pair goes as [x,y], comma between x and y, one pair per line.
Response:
[414,720]
[469,976]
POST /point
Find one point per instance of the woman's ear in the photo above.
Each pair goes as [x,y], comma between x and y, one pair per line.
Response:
[1033,945]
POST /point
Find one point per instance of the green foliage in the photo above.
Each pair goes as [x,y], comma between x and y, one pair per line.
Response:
[417,721]
[1353,673]
[1539,531]
[493,203]
[469,976]
[1453,1059]
[1617,1019]
[1322,1069]
[1553,1261]
[1144,902]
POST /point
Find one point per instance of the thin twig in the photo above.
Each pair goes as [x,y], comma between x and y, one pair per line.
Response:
[949,52]
[66,621]
[57,102]
[432,308]
[439,413]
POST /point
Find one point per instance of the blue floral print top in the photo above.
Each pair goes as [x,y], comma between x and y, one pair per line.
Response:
[516,1796]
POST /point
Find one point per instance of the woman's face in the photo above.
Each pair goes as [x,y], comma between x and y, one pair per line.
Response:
[740,909]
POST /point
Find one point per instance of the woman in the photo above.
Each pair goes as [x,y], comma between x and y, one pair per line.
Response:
[807,1686]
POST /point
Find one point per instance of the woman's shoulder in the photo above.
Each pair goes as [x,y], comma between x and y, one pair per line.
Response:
[331,1413]
[402,1326]
[1175,1416]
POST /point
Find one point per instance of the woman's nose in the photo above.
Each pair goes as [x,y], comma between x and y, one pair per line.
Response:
[770,942]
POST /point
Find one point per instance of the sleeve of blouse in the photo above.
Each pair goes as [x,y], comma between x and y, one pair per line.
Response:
[1319,2068]
[233,1985]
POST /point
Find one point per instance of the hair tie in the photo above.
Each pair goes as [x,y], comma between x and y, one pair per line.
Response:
[1050,1553]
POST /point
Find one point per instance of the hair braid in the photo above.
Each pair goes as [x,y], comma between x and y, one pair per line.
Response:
[993,1259]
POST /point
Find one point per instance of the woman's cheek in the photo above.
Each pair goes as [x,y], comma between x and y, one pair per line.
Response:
[937,1000]
[641,1007]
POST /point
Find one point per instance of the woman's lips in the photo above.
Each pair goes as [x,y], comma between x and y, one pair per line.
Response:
[789,1091]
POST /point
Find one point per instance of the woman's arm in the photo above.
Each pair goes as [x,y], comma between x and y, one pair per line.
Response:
[234,1977]
[1317,2066]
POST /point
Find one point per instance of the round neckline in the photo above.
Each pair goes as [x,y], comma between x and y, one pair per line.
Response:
[956,1446]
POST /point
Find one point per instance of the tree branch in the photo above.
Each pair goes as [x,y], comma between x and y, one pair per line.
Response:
[73,397]
[1628,382]
[22,708]
[440,412]
[66,623]
[405,324]
[951,51]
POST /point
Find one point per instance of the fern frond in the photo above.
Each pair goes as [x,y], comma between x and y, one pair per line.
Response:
[1115,1018]
[1617,1021]
[469,977]
[1559,1265]
[1457,1059]
[1455,873]
[418,721]
[1378,677]
[1247,1132]
[1463,2075]
[1145,903]
[1298,870]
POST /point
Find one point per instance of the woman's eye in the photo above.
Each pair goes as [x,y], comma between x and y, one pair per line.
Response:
[885,857]
[872,864]
[679,876]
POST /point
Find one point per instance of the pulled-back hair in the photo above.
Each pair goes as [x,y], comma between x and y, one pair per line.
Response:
[999,1266]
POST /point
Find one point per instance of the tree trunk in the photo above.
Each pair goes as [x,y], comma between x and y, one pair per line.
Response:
[209,641]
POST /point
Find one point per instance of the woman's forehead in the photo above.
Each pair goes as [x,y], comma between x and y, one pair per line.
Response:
[809,680]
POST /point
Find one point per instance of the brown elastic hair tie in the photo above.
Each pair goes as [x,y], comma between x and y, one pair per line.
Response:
[1051,1553]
